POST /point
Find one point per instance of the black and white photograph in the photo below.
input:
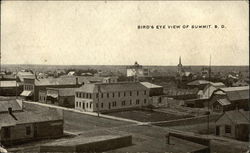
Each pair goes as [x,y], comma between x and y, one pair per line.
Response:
[124,76]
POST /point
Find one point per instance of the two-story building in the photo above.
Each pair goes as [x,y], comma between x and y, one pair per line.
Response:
[32,87]
[111,96]
[137,70]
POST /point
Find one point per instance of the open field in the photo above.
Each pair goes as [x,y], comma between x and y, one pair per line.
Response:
[76,122]
[147,116]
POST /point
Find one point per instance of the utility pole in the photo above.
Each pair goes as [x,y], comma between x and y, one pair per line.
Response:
[209,78]
[16,83]
[98,99]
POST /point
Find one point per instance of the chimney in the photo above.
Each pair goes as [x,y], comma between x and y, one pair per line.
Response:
[10,110]
[77,81]
[11,113]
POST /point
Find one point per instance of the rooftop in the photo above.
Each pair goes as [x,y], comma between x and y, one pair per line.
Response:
[111,87]
[25,117]
[198,82]
[70,80]
[6,103]
[150,85]
[218,84]
[238,116]
[236,93]
[8,84]
[64,91]
[224,102]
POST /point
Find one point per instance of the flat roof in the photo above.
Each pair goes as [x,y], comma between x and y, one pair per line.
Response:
[150,85]
[83,140]
[8,84]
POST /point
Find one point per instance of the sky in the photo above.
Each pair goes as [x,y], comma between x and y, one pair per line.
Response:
[106,33]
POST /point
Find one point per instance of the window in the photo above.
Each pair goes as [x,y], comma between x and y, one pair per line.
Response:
[90,95]
[83,95]
[130,93]
[137,101]
[76,94]
[76,104]
[123,103]
[137,93]
[145,101]
[83,105]
[80,104]
[87,105]
[124,93]
[102,95]
[119,94]
[87,95]
[130,102]
[28,130]
[107,95]
[96,105]
[101,105]
[90,105]
[7,132]
[227,129]
[97,95]
[145,92]
[113,94]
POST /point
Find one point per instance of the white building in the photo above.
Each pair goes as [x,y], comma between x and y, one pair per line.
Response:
[137,70]
[111,96]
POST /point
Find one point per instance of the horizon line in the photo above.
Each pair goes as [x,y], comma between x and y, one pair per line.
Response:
[112,65]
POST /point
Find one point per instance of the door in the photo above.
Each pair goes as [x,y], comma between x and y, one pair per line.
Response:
[35,130]
[109,105]
[217,130]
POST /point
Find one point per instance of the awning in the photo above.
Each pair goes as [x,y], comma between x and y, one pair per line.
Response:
[224,102]
[52,95]
[26,93]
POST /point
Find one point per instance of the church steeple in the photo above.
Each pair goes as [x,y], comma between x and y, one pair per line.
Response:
[179,65]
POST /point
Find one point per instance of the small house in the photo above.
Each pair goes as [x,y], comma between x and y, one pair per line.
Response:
[18,125]
[233,124]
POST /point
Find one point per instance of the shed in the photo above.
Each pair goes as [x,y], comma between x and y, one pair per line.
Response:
[234,124]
